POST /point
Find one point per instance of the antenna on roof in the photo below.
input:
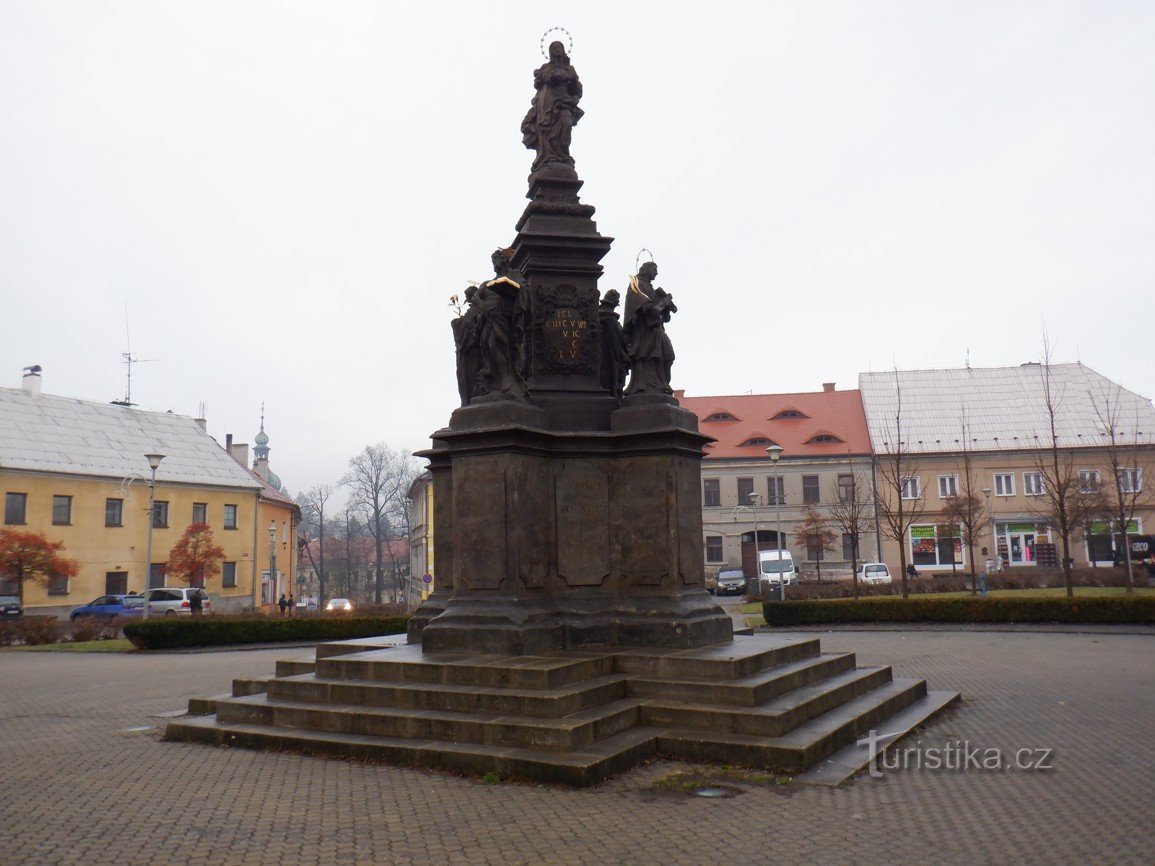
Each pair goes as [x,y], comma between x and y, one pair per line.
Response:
[968,357]
[129,360]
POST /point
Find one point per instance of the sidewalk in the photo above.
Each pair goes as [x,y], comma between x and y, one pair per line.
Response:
[81,785]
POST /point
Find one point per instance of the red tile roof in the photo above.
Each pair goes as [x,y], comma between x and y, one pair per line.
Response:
[831,413]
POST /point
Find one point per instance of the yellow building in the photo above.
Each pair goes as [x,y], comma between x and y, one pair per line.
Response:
[77,472]
[421,537]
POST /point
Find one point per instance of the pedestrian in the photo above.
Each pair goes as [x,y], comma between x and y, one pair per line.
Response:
[292,605]
[196,603]
[283,604]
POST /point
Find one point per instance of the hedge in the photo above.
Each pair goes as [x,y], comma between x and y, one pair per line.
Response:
[175,632]
[1140,609]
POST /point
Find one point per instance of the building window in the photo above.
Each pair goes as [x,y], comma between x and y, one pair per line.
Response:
[115,582]
[845,488]
[823,439]
[849,548]
[200,512]
[711,492]
[61,510]
[789,414]
[156,575]
[1004,484]
[757,440]
[1088,480]
[113,512]
[228,575]
[15,508]
[721,416]
[777,490]
[947,486]
[911,487]
[936,545]
[809,489]
[1033,483]
[745,488]
[714,548]
[230,512]
[1131,480]
[58,584]
[160,515]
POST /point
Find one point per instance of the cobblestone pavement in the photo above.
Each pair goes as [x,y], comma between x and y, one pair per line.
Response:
[78,786]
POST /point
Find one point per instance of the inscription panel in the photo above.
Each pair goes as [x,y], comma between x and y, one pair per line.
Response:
[566,332]
[642,502]
[581,504]
[479,517]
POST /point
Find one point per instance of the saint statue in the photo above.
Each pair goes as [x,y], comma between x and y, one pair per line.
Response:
[614,350]
[502,332]
[554,110]
[651,353]
[465,338]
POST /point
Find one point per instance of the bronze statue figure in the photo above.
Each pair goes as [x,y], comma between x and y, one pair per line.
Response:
[614,349]
[650,351]
[502,332]
[554,110]
[465,338]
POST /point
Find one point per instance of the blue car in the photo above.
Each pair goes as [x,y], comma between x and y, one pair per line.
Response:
[110,607]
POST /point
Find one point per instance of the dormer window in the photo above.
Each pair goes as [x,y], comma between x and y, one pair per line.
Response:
[789,415]
[720,416]
[823,439]
[757,440]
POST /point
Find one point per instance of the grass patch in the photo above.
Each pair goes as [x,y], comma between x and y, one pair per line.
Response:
[117,645]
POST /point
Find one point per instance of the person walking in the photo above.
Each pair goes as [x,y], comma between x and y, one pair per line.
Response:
[283,604]
[292,605]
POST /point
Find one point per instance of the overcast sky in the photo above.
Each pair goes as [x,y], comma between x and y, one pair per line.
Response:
[284,194]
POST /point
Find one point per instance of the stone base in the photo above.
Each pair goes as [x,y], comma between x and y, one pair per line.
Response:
[573,717]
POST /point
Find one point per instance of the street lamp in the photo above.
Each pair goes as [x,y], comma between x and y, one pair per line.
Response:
[775,452]
[272,559]
[153,464]
[991,519]
[754,497]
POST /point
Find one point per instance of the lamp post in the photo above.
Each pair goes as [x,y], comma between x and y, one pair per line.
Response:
[775,452]
[991,520]
[754,497]
[153,464]
[272,558]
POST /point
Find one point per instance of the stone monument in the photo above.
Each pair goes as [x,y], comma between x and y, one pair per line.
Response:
[567,514]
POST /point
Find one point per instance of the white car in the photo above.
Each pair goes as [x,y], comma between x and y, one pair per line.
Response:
[339,604]
[874,572]
[173,600]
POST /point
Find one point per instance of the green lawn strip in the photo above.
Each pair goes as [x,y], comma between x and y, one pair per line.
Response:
[117,645]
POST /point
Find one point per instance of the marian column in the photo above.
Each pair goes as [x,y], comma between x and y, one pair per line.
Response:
[567,515]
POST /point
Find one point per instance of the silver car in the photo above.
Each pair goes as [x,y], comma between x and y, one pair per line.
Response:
[174,600]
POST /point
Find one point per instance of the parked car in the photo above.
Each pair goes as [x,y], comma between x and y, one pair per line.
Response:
[173,600]
[874,572]
[109,607]
[10,607]
[339,604]
[731,581]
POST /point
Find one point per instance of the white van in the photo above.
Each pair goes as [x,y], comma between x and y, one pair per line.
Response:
[776,567]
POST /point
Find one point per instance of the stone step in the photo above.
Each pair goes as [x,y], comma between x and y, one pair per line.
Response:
[537,703]
[360,644]
[573,732]
[727,661]
[803,746]
[579,768]
[748,691]
[408,664]
[774,718]
[296,667]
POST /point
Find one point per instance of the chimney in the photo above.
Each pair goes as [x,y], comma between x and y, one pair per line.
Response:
[262,468]
[828,387]
[31,382]
[240,452]
[202,423]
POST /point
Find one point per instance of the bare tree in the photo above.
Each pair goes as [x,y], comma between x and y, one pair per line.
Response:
[815,534]
[900,503]
[313,510]
[1060,498]
[1121,493]
[852,514]
[966,509]
[378,479]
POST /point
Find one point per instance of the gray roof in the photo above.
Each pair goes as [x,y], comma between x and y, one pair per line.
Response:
[45,433]
[1005,408]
